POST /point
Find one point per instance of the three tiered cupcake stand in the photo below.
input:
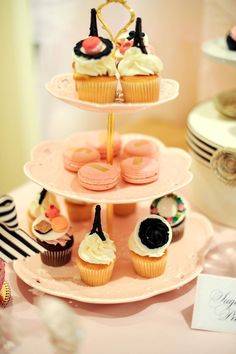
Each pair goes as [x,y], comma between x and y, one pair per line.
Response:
[186,256]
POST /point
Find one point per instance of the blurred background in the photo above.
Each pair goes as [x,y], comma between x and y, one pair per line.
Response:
[37,38]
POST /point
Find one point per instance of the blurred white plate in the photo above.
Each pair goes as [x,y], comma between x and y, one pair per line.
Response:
[217,49]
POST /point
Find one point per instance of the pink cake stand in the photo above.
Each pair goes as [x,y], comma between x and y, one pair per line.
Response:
[46,168]
[185,261]
[62,86]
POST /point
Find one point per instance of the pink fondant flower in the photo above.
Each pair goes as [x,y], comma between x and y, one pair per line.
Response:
[125,45]
[180,207]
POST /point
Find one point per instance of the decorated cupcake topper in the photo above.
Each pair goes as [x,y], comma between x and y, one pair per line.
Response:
[138,36]
[42,195]
[93,24]
[153,233]
[132,35]
[97,227]
[170,206]
[93,47]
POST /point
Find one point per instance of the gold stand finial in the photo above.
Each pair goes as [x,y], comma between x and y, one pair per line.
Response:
[125,4]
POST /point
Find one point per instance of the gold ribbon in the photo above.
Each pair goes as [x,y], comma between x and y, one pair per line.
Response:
[125,4]
[5,294]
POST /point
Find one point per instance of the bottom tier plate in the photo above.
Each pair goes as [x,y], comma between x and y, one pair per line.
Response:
[185,262]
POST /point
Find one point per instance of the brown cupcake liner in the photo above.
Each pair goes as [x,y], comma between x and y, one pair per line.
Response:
[56,258]
[178,231]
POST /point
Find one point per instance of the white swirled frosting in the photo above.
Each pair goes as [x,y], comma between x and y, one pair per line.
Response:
[137,63]
[138,247]
[93,250]
[95,67]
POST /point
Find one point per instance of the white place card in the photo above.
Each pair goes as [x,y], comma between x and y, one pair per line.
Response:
[215,304]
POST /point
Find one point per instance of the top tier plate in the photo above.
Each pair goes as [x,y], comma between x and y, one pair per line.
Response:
[217,50]
[46,169]
[63,87]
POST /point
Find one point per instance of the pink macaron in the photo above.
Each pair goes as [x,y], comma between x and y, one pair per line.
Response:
[141,147]
[75,157]
[139,170]
[98,140]
[98,176]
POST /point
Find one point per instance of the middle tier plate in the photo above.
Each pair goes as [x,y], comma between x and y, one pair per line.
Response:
[46,169]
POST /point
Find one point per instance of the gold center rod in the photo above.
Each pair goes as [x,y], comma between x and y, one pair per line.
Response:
[110,145]
[110,137]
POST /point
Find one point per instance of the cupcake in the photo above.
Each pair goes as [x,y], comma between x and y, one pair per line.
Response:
[78,211]
[76,157]
[141,147]
[52,231]
[140,71]
[148,245]
[231,38]
[98,140]
[94,67]
[171,207]
[39,205]
[96,254]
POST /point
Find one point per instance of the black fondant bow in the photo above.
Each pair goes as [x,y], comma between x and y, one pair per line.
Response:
[132,35]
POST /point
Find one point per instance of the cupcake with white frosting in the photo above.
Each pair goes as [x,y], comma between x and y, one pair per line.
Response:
[96,254]
[40,204]
[140,71]
[172,208]
[148,245]
[52,231]
[94,67]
